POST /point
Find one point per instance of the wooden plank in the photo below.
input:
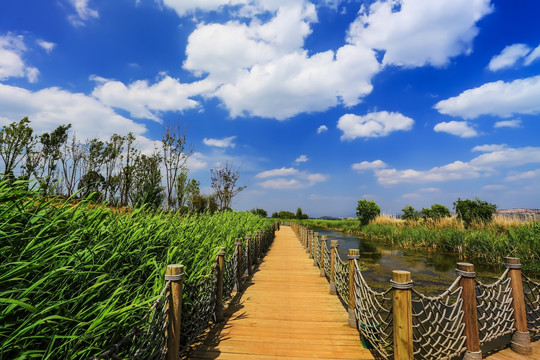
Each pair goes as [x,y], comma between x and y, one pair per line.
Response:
[286,313]
[508,354]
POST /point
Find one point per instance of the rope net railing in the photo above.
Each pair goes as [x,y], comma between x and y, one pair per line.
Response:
[494,307]
[531,290]
[373,312]
[341,276]
[438,324]
[148,339]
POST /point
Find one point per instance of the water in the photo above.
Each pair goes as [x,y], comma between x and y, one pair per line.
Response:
[432,272]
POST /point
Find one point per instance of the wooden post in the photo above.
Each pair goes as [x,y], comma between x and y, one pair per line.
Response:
[470,317]
[175,273]
[259,245]
[402,315]
[310,241]
[353,255]
[315,246]
[323,247]
[219,296]
[248,260]
[521,340]
[334,244]
[239,274]
[314,243]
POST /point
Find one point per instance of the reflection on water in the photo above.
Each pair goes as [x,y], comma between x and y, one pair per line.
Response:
[432,272]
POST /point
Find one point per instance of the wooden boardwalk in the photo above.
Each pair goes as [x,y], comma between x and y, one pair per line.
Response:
[286,313]
[508,354]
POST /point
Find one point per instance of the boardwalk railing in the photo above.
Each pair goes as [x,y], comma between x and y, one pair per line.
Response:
[402,323]
[182,311]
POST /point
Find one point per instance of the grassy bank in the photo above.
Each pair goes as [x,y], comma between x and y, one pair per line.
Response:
[74,278]
[485,243]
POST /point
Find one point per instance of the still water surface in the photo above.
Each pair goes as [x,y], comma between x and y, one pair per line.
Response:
[432,272]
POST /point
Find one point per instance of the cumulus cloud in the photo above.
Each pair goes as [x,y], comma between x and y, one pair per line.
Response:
[508,57]
[51,107]
[374,124]
[516,123]
[145,101]
[261,68]
[419,32]
[368,165]
[220,143]
[46,45]
[12,48]
[289,178]
[483,165]
[301,159]
[459,128]
[503,99]
[321,129]
[83,12]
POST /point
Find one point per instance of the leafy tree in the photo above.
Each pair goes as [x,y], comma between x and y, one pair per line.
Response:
[470,211]
[51,143]
[261,212]
[224,184]
[410,213]
[201,203]
[128,171]
[111,158]
[275,215]
[366,211]
[16,140]
[71,158]
[147,189]
[439,211]
[92,183]
[300,215]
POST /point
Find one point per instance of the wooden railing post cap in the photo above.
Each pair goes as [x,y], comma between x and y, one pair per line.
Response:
[221,251]
[512,260]
[175,269]
[334,243]
[465,266]
[324,237]
[401,276]
[354,252]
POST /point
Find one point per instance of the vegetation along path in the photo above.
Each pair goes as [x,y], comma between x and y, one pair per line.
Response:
[287,312]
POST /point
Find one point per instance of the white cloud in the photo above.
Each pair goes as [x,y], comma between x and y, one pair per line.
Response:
[46,45]
[321,129]
[146,101]
[533,56]
[495,98]
[508,57]
[12,48]
[483,165]
[458,128]
[261,68]
[419,32]
[489,148]
[374,124]
[494,187]
[516,123]
[277,172]
[368,165]
[84,13]
[527,175]
[50,107]
[301,159]
[221,143]
[297,179]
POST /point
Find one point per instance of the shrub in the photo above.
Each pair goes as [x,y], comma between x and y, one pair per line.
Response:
[410,213]
[470,211]
[366,211]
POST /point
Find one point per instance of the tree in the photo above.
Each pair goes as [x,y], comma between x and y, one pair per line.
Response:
[224,184]
[261,212]
[439,212]
[300,215]
[470,211]
[92,183]
[174,158]
[16,141]
[410,213]
[366,211]
[71,158]
[51,143]
[147,189]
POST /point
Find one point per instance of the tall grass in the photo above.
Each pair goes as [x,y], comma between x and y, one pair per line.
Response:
[74,278]
[488,243]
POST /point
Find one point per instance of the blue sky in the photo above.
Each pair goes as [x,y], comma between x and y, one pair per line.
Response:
[319,103]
